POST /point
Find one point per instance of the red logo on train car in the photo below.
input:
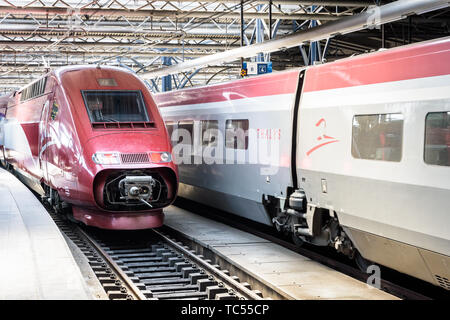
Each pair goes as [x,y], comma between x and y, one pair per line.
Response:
[323,139]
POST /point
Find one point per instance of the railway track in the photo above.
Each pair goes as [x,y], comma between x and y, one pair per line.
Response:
[143,265]
[395,283]
[157,264]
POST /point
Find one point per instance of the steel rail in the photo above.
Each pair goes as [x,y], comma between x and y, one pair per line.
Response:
[241,289]
[117,269]
[373,17]
[386,285]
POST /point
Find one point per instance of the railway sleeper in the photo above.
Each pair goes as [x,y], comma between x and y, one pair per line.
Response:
[166,281]
[167,255]
[149,270]
[182,295]
[174,260]
[195,277]
[181,265]
[214,290]
[226,296]
[165,288]
[132,265]
[138,259]
[160,251]
[148,275]
[126,251]
[132,255]
[205,283]
[118,295]
[187,271]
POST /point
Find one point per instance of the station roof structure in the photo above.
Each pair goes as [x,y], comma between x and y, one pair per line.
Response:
[142,35]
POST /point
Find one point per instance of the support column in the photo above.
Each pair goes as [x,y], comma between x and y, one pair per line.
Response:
[166,80]
[270,19]
[259,36]
[313,53]
[242,29]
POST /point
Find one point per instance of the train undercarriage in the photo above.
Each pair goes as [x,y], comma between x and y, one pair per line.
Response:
[305,222]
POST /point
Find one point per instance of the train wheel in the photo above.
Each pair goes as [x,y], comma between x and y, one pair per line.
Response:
[297,240]
[56,202]
[362,263]
[9,168]
[2,159]
[62,208]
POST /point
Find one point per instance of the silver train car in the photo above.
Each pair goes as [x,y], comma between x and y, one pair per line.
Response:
[353,154]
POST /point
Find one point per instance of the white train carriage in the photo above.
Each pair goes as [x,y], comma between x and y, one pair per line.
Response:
[354,154]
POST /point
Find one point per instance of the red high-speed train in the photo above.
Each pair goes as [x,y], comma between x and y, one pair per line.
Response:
[90,138]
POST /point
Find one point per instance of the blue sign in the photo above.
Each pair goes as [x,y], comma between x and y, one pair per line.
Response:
[254,68]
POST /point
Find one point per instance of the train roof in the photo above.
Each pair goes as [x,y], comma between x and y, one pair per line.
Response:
[416,50]
[419,60]
[61,70]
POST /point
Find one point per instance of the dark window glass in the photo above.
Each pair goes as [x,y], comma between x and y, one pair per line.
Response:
[170,127]
[34,90]
[236,134]
[115,106]
[437,138]
[378,137]
[210,132]
[189,126]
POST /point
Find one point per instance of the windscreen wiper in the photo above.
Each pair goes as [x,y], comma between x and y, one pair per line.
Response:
[110,120]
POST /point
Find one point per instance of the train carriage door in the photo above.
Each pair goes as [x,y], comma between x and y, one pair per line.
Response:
[295,129]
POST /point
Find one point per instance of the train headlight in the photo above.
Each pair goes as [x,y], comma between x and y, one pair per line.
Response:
[160,157]
[106,158]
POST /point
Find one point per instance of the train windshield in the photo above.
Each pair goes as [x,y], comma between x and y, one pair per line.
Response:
[115,106]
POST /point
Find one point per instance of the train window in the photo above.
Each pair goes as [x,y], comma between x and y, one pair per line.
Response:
[115,106]
[437,138]
[34,90]
[236,134]
[189,127]
[210,132]
[378,137]
[170,125]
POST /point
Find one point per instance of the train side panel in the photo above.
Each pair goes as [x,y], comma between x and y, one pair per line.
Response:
[21,135]
[363,146]
[60,146]
[3,106]
[264,105]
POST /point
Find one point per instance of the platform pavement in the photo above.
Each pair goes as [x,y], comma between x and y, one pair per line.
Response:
[35,261]
[296,276]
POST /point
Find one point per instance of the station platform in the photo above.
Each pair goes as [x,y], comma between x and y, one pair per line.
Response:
[35,261]
[296,276]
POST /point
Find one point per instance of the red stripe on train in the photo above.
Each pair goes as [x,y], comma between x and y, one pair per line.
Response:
[268,85]
[415,61]
[404,63]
